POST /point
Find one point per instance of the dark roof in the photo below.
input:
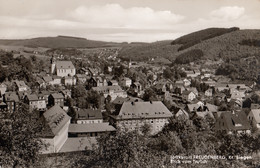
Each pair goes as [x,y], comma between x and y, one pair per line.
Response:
[11,96]
[88,114]
[233,121]
[155,109]
[32,97]
[55,119]
[64,65]
[57,96]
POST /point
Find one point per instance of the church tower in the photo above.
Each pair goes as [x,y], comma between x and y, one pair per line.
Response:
[53,64]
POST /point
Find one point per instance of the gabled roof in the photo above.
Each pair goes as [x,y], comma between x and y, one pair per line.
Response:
[234,121]
[47,78]
[94,127]
[20,83]
[256,114]
[88,114]
[64,65]
[57,96]
[32,97]
[56,118]
[11,96]
[121,100]
[139,110]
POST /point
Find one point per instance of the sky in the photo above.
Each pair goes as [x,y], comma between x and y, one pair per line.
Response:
[123,20]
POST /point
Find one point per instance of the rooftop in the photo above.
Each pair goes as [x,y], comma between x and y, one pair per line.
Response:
[155,109]
[56,118]
[94,127]
[64,65]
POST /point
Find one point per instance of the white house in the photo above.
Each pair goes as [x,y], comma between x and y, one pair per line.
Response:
[254,117]
[56,127]
[126,82]
[113,91]
[3,88]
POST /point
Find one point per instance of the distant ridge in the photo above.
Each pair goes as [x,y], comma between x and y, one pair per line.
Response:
[211,43]
[58,42]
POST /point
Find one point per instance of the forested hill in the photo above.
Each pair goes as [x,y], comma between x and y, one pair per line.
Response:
[213,43]
[58,42]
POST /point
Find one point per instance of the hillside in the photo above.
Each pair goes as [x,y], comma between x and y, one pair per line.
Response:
[58,42]
[222,45]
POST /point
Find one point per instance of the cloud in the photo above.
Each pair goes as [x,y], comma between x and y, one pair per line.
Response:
[228,13]
[115,16]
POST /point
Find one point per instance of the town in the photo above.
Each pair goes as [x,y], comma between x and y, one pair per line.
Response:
[79,98]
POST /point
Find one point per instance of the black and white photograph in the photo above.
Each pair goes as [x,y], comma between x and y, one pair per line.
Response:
[129,83]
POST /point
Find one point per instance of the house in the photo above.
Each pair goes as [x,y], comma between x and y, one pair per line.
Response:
[63,68]
[56,80]
[133,115]
[186,82]
[137,87]
[90,130]
[21,86]
[12,101]
[233,122]
[112,83]
[48,80]
[126,82]
[56,99]
[194,90]
[254,117]
[192,73]
[3,89]
[55,132]
[81,78]
[88,116]
[66,93]
[97,82]
[209,92]
[189,95]
[181,114]
[113,91]
[36,102]
[93,71]
[69,80]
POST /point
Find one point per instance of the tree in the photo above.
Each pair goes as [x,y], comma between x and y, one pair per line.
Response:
[93,98]
[19,142]
[124,149]
[149,95]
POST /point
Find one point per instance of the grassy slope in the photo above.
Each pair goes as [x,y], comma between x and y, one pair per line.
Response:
[58,42]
